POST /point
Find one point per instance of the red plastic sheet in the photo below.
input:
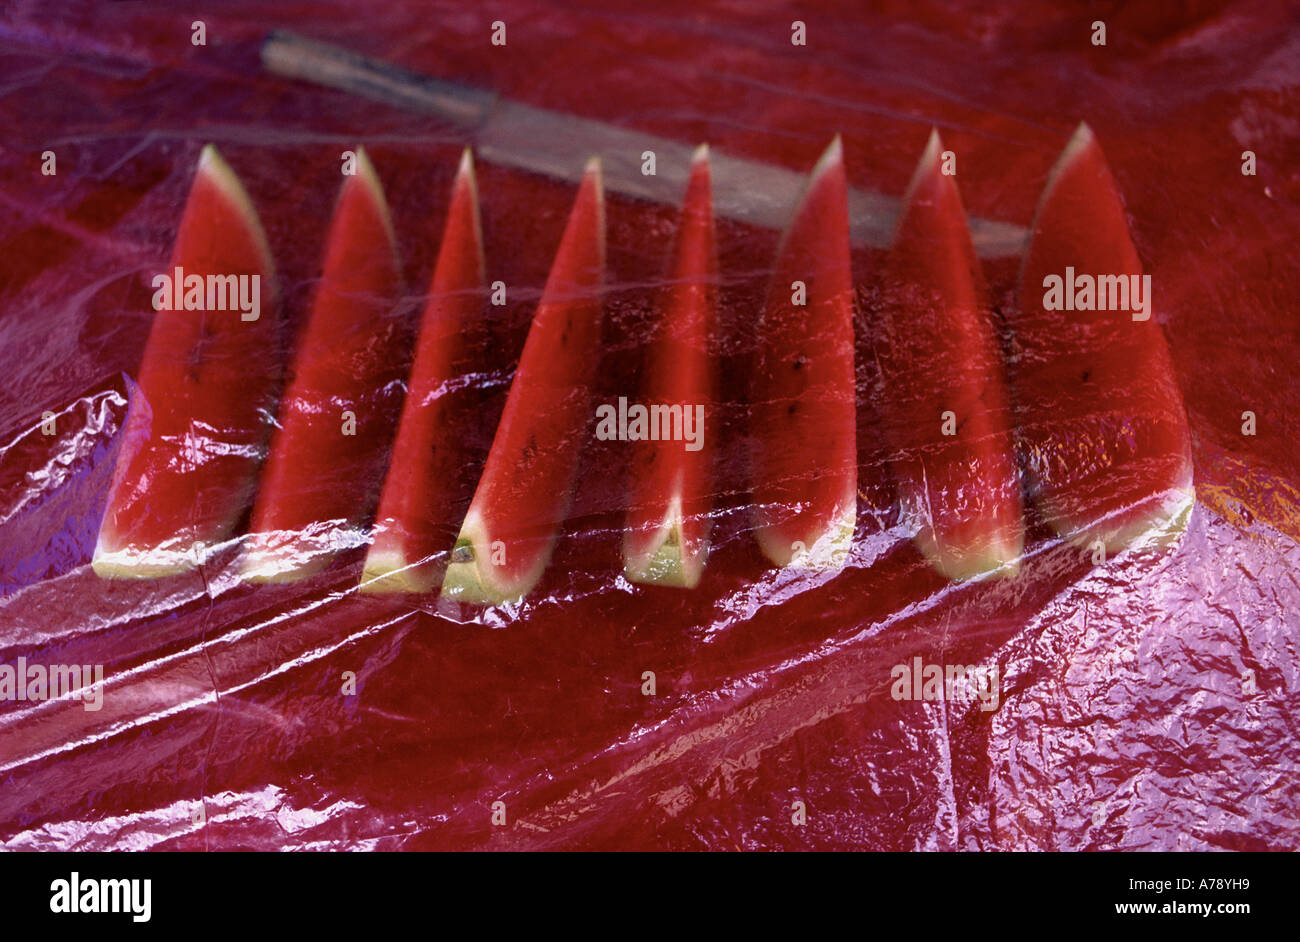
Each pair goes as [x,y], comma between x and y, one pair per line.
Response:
[1147,703]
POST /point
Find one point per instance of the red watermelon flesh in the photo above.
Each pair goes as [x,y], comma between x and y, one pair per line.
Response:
[338,412]
[506,539]
[803,420]
[1102,428]
[943,395]
[666,540]
[415,525]
[197,428]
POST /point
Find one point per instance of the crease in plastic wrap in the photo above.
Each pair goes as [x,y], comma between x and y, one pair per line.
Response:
[1145,699]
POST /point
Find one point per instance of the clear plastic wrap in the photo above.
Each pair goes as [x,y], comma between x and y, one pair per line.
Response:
[1142,702]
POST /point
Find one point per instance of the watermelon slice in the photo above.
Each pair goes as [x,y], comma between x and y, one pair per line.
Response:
[506,539]
[1103,430]
[944,399]
[804,457]
[338,412]
[196,428]
[666,540]
[414,528]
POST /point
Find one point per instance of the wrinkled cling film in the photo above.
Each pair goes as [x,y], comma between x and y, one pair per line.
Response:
[1142,701]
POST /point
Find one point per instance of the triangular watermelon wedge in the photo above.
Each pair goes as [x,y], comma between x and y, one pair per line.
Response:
[803,420]
[338,413]
[1102,425]
[523,495]
[944,401]
[414,528]
[666,540]
[196,428]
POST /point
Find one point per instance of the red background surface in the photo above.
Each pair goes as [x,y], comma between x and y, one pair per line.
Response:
[1123,721]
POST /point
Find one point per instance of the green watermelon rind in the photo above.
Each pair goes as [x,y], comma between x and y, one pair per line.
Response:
[473,581]
[669,563]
